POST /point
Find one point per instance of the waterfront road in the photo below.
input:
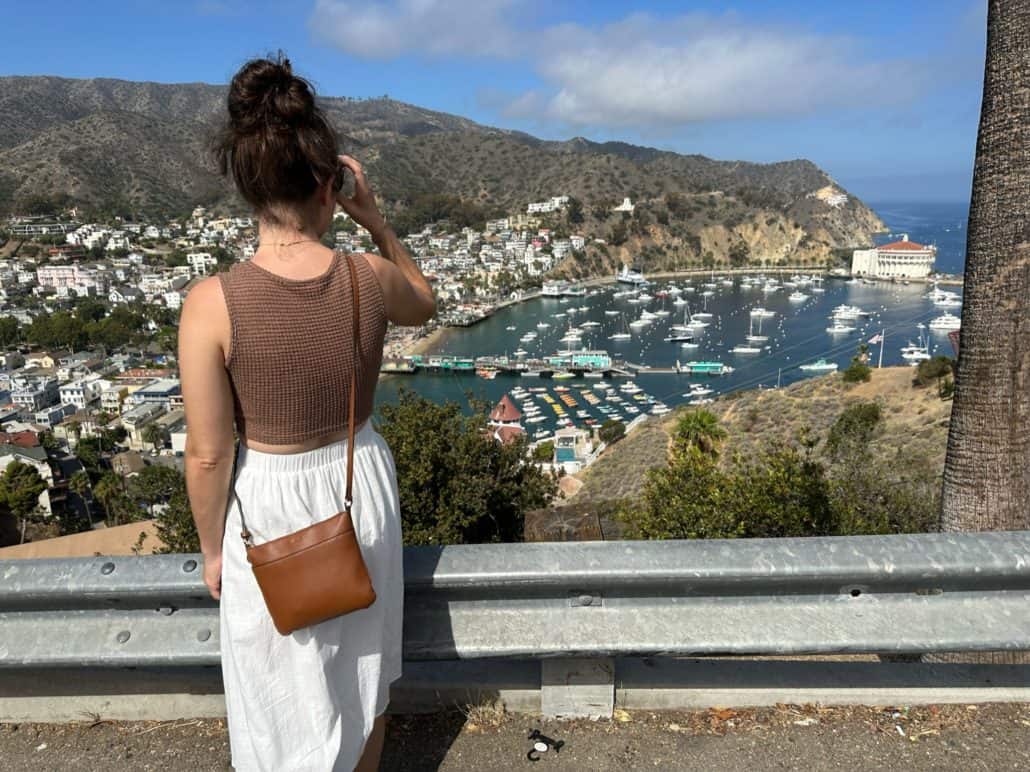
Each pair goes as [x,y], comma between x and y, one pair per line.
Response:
[947,737]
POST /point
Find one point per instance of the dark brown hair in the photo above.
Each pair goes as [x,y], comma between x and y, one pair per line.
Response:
[277,143]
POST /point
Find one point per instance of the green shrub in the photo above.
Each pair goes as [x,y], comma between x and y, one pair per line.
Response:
[611,431]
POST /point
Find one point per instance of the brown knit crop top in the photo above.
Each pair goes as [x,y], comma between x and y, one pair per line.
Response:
[293,349]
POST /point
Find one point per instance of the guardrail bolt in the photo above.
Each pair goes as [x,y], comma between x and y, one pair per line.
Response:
[123,636]
[203,635]
[189,565]
[107,568]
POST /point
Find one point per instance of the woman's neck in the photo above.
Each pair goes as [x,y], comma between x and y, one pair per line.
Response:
[270,235]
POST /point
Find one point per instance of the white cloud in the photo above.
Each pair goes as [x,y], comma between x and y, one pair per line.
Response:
[383,30]
[644,71]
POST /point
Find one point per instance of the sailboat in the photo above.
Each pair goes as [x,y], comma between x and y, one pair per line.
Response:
[702,316]
[685,327]
[914,354]
[624,334]
[752,337]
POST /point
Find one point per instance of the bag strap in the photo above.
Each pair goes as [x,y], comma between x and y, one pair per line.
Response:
[351,405]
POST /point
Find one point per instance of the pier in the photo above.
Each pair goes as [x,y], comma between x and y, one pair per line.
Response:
[581,363]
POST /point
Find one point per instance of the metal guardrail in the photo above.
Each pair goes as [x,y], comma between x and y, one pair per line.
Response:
[893,594]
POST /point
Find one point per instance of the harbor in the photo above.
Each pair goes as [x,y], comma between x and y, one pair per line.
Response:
[673,338]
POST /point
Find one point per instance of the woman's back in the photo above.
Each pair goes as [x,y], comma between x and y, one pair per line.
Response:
[292,349]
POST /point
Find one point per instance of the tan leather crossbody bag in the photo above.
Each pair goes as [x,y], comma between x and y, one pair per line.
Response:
[318,572]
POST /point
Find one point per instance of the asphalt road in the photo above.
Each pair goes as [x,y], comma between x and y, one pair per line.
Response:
[956,737]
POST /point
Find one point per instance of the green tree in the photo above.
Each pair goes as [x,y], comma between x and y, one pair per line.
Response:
[108,489]
[10,333]
[618,234]
[574,211]
[740,254]
[933,371]
[155,484]
[685,500]
[457,484]
[155,434]
[855,425]
[175,525]
[544,452]
[79,484]
[783,493]
[611,431]
[859,371]
[700,429]
[21,485]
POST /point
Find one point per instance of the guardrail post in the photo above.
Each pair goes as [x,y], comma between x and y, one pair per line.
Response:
[577,687]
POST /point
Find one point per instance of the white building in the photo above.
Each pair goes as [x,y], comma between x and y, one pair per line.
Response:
[200,262]
[899,259]
[553,204]
[625,206]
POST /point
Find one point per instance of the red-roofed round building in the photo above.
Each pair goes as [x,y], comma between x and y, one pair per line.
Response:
[902,259]
[505,412]
[504,420]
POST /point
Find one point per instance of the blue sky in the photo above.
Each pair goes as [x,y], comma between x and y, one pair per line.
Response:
[883,95]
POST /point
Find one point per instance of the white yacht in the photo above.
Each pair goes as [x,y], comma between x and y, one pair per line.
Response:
[946,323]
[742,348]
[820,366]
[797,297]
[628,276]
[839,328]
[762,313]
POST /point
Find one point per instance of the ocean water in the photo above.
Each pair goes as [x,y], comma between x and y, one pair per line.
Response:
[797,333]
[940,223]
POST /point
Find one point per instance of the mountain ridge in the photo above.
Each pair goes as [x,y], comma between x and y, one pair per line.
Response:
[142,148]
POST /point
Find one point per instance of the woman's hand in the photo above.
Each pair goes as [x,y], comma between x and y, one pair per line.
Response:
[213,575]
[362,206]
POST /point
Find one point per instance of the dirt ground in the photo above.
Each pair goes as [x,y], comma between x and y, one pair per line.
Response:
[951,737]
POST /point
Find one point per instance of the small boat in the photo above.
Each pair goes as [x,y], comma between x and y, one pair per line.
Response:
[760,313]
[820,366]
[486,372]
[520,352]
[838,328]
[740,348]
[535,419]
[543,325]
[510,327]
[677,338]
[946,323]
[530,373]
[797,297]
[562,375]
[611,313]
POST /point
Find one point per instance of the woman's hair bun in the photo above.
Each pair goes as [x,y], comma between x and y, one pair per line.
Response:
[266,94]
[277,144]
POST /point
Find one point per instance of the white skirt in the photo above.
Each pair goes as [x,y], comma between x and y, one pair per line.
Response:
[307,701]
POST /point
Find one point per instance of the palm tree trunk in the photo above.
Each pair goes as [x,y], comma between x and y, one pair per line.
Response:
[987,470]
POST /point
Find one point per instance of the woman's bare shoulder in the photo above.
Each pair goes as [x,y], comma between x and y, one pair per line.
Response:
[205,303]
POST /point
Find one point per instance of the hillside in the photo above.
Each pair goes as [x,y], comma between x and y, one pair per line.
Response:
[914,428]
[140,148]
